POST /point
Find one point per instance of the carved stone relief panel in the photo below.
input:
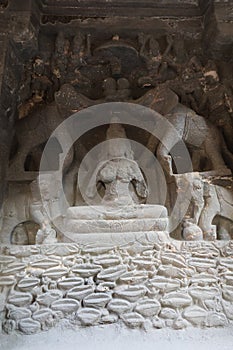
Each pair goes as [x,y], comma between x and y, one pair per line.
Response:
[116,142]
[157,63]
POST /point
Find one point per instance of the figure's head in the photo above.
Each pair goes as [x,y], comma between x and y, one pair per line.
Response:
[109,86]
[46,224]
[19,236]
[197,184]
[211,77]
[122,83]
[78,40]
[38,66]
[45,182]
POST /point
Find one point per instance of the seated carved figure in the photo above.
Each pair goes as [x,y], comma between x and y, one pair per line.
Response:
[117,174]
[118,170]
[119,204]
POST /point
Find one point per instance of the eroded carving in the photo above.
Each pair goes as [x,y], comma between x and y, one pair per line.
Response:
[202,138]
[118,171]
[124,190]
[126,274]
[137,284]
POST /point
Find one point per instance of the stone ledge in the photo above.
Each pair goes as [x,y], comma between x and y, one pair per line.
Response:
[103,8]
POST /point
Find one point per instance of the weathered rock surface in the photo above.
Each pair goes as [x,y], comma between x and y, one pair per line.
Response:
[70,282]
[29,326]
[65,305]
[112,273]
[164,284]
[119,306]
[132,293]
[20,298]
[86,270]
[147,307]
[133,319]
[56,272]
[49,297]
[27,284]
[97,300]
[196,315]
[186,289]
[176,300]
[88,316]
[80,292]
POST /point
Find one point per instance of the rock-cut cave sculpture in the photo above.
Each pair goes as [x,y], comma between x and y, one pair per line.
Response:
[118,170]
[125,188]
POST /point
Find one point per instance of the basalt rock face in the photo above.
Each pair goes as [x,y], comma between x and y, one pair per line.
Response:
[161,285]
[112,247]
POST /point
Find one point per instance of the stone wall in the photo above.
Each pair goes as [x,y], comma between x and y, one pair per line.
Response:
[176,285]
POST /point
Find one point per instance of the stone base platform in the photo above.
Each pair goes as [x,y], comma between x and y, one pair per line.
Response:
[101,219]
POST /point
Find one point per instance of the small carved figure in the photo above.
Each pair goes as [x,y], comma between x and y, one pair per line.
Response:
[197,199]
[150,51]
[189,84]
[46,234]
[41,84]
[78,51]
[160,66]
[44,206]
[191,182]
[177,43]
[217,102]
[60,58]
[191,231]
[149,48]
[40,87]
